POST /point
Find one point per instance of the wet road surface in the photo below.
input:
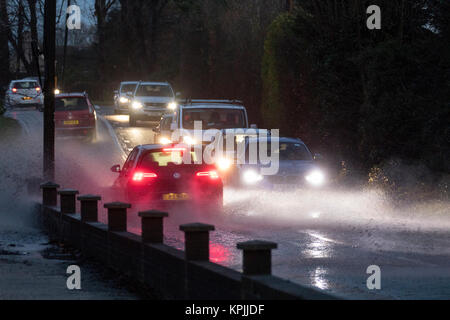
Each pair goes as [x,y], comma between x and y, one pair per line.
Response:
[326,239]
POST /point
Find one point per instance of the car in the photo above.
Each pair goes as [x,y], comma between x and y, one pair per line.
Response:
[150,101]
[24,94]
[121,99]
[156,177]
[75,116]
[211,114]
[296,166]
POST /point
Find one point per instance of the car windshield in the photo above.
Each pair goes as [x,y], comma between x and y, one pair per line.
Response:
[217,118]
[158,159]
[146,90]
[128,88]
[25,85]
[71,104]
[294,151]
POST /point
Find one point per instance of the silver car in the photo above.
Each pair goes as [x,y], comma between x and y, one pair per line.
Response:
[297,166]
[24,93]
[150,101]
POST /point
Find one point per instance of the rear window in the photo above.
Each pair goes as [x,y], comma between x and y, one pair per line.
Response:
[25,85]
[71,104]
[163,159]
[146,90]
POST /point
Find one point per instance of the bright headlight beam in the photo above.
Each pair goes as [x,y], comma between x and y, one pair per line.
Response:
[164,140]
[316,178]
[172,105]
[124,100]
[136,105]
[223,164]
[252,177]
[189,140]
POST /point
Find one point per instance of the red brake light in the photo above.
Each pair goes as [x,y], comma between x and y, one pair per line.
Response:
[139,176]
[212,174]
[14,90]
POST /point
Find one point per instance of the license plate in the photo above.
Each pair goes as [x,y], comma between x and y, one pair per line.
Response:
[27,98]
[176,197]
[71,122]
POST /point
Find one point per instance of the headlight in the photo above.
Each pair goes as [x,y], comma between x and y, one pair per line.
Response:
[189,140]
[252,177]
[223,164]
[57,91]
[172,105]
[164,140]
[137,105]
[123,100]
[316,178]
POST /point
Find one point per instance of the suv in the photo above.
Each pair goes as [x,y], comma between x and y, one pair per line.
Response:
[121,100]
[213,114]
[150,101]
[24,93]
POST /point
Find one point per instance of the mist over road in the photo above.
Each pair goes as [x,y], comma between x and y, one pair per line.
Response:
[326,239]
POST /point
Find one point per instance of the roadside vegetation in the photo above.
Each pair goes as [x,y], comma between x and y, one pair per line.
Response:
[370,101]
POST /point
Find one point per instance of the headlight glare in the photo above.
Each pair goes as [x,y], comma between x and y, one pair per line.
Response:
[252,177]
[316,178]
[137,105]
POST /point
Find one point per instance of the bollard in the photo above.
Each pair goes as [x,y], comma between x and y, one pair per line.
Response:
[89,207]
[68,202]
[117,216]
[153,226]
[257,257]
[197,241]
[49,194]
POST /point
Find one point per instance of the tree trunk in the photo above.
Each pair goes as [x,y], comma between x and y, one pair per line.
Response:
[4,46]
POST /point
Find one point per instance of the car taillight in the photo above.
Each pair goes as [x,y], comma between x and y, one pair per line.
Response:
[14,90]
[211,174]
[139,176]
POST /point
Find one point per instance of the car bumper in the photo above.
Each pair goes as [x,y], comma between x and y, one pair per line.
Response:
[75,132]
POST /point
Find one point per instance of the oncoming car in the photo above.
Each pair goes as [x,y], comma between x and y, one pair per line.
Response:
[121,100]
[24,93]
[296,165]
[156,177]
[75,116]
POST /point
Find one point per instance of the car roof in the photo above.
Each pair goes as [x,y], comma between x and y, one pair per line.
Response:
[24,80]
[129,82]
[211,106]
[154,83]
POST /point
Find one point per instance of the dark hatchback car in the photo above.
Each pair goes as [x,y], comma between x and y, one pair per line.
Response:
[157,177]
[75,116]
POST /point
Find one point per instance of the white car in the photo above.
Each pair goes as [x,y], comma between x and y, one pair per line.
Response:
[212,114]
[121,100]
[150,101]
[24,93]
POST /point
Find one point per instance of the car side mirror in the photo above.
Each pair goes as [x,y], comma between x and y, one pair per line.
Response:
[318,157]
[116,169]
